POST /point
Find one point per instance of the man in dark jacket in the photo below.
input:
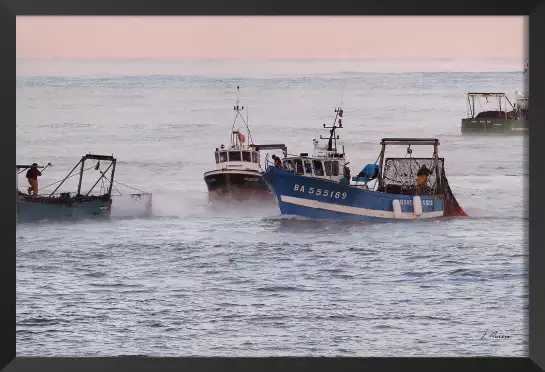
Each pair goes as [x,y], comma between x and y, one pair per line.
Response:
[32,175]
[422,179]
[277,161]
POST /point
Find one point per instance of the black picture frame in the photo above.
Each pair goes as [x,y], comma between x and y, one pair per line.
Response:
[535,10]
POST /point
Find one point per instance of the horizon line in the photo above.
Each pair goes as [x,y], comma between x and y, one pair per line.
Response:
[287,76]
[525,58]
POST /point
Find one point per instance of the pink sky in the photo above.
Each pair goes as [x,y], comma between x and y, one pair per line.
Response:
[271,37]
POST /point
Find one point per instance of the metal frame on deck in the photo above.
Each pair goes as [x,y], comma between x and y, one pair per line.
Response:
[409,142]
[81,163]
[84,158]
[277,146]
[471,102]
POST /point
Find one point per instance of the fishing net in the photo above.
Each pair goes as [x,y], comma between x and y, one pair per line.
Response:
[400,177]
[451,208]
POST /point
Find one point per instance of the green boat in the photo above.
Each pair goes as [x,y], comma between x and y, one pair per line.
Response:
[72,206]
[505,118]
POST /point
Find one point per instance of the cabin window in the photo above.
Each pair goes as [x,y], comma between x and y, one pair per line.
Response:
[255,157]
[327,165]
[308,167]
[299,167]
[246,156]
[288,165]
[223,157]
[318,169]
[217,157]
[335,168]
[234,156]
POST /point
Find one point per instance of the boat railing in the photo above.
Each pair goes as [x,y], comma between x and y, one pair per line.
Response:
[268,163]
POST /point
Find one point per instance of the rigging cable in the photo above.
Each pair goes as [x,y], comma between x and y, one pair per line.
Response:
[130,187]
[75,174]
[106,177]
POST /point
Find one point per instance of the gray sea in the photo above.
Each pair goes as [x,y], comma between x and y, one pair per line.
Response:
[244,281]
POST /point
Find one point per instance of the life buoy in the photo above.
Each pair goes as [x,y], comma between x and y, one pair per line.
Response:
[241,137]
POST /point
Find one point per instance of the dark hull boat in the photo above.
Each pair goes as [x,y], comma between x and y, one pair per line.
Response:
[238,173]
[72,206]
[237,185]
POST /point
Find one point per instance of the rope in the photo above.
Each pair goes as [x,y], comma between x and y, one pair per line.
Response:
[134,188]
[343,88]
[75,174]
[117,190]
[480,104]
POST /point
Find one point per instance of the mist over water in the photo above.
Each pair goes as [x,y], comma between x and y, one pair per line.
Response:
[200,279]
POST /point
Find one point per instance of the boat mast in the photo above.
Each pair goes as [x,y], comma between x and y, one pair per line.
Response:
[332,140]
[112,177]
[436,161]
[525,79]
[238,109]
[381,162]
[80,175]
[521,99]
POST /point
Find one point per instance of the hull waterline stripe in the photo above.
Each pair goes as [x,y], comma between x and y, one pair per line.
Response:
[355,210]
[232,171]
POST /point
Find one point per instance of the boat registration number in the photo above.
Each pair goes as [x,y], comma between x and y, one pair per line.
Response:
[410,202]
[320,192]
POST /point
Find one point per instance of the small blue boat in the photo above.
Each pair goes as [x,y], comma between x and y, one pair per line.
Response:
[396,188]
[82,204]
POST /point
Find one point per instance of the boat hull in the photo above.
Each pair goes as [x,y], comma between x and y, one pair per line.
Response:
[494,126]
[237,185]
[323,199]
[38,209]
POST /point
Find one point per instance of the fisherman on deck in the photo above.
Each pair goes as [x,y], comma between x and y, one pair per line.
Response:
[32,175]
[346,173]
[277,161]
[422,179]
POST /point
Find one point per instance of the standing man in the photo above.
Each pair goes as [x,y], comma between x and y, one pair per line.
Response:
[32,175]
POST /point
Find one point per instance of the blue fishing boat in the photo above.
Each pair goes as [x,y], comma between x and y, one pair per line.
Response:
[319,186]
[81,204]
